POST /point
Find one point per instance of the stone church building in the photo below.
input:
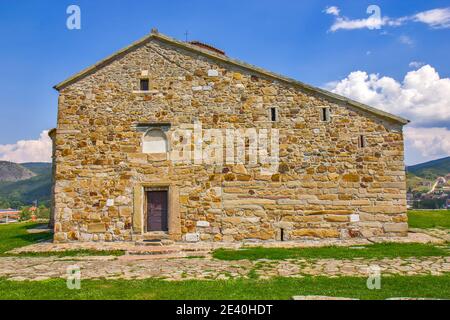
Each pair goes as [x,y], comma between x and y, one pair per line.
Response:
[340,173]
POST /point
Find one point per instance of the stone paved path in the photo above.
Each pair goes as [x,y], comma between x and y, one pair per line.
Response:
[142,267]
[132,247]
[443,234]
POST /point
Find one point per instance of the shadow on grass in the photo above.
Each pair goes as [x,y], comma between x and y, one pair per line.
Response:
[15,236]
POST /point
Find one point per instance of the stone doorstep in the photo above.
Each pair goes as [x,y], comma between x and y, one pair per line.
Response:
[155,236]
[168,251]
[154,243]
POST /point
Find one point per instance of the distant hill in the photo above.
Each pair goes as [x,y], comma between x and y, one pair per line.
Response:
[431,170]
[12,172]
[14,194]
[38,167]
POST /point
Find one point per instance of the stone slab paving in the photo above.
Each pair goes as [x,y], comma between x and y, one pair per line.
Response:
[169,262]
[443,234]
[415,237]
[143,267]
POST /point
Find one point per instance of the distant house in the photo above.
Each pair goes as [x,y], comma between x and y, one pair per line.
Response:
[425,184]
[9,215]
[409,200]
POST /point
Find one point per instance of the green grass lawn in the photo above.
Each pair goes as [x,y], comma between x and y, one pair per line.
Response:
[275,289]
[15,235]
[427,219]
[382,250]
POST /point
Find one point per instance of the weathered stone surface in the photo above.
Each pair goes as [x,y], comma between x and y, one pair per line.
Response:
[324,180]
[351,177]
[192,237]
[317,233]
[173,266]
[396,227]
[203,224]
[97,228]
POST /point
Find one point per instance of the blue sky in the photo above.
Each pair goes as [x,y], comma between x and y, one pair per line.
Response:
[288,37]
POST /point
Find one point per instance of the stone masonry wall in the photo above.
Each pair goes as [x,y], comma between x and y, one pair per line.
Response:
[326,187]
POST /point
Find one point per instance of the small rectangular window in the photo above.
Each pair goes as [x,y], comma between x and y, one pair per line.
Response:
[144,85]
[325,116]
[273,114]
[362,141]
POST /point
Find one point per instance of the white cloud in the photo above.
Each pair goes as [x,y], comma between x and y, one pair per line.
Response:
[333,10]
[416,64]
[406,40]
[348,24]
[39,150]
[431,142]
[422,96]
[436,18]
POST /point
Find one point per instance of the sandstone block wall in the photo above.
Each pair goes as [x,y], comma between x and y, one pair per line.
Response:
[326,187]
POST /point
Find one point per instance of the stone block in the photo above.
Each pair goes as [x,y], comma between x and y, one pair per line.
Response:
[60,237]
[350,177]
[230,231]
[213,73]
[203,224]
[96,228]
[125,211]
[337,218]
[395,227]
[192,237]
[284,225]
[317,233]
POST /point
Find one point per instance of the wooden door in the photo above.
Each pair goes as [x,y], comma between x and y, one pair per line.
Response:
[157,211]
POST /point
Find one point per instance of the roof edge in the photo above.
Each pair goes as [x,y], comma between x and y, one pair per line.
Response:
[101,63]
[222,58]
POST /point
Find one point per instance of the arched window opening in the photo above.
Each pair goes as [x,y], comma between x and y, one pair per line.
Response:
[155,141]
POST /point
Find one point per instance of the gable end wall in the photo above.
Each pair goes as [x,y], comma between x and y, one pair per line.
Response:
[326,186]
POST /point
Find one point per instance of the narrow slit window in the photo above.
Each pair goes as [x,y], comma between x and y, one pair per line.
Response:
[144,84]
[325,114]
[273,114]
[362,141]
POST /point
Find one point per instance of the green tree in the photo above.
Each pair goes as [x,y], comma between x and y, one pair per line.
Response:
[25,214]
